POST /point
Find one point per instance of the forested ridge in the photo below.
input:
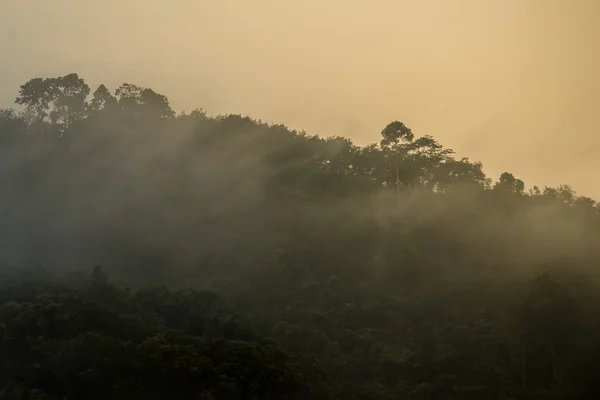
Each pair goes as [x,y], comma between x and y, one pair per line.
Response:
[147,253]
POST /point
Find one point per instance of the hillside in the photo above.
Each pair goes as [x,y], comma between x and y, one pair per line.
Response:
[296,266]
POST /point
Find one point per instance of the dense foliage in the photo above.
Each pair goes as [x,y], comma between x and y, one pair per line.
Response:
[90,340]
[298,266]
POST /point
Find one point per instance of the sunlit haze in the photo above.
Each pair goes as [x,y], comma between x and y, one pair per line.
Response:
[511,83]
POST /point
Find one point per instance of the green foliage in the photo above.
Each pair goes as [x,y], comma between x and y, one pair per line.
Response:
[96,341]
[297,266]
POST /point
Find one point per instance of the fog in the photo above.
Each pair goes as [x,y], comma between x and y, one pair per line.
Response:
[190,199]
[173,226]
[511,83]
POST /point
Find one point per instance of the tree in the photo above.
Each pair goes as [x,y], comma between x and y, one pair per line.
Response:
[509,183]
[394,145]
[37,95]
[63,99]
[139,100]
[563,193]
[394,133]
[69,99]
[451,172]
[157,102]
[102,99]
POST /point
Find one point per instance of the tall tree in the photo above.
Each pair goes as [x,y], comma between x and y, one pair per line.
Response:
[70,94]
[396,132]
[509,183]
[37,95]
[63,99]
[102,99]
[139,100]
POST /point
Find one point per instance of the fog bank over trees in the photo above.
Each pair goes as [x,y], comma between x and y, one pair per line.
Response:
[296,265]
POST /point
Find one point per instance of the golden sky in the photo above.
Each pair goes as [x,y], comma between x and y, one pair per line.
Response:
[513,83]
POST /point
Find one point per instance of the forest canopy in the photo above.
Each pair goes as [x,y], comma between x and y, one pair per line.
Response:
[245,260]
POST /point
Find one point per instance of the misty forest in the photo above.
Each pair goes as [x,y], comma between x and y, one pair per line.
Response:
[151,254]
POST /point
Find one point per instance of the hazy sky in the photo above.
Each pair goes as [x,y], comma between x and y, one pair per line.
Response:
[513,83]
